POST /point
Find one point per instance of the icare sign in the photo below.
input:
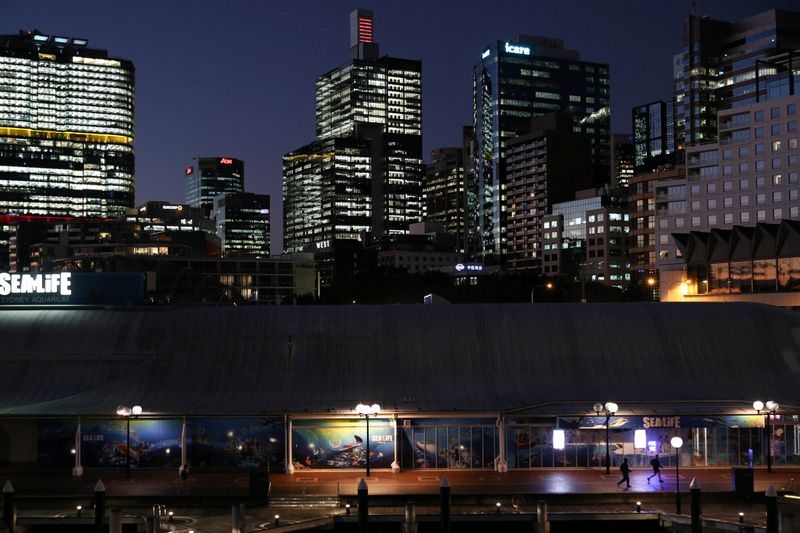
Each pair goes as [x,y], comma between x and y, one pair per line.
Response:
[54,284]
[518,49]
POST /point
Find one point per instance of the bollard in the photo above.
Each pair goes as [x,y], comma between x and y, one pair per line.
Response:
[772,510]
[115,521]
[99,507]
[236,520]
[363,507]
[638,507]
[696,505]
[410,522]
[243,516]
[9,510]
[156,519]
[277,520]
[542,522]
[444,505]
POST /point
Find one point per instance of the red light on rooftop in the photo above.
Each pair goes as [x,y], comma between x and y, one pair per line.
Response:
[364,30]
[189,170]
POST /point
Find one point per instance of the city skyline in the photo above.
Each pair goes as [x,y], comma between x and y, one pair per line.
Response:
[204,88]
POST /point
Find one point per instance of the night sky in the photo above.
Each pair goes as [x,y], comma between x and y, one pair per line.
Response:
[236,78]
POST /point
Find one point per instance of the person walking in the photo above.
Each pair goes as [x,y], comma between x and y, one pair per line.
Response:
[183,472]
[656,464]
[625,470]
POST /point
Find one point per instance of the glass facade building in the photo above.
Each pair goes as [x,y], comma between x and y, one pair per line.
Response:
[243,223]
[720,65]
[66,128]
[209,177]
[445,193]
[514,82]
[326,193]
[364,171]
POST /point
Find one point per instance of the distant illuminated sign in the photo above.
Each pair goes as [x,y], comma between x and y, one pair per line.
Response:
[226,161]
[518,49]
[486,53]
[468,267]
[189,170]
[652,446]
[58,283]
[172,207]
[263,211]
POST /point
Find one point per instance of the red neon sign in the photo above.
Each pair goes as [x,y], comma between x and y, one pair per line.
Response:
[226,161]
[189,170]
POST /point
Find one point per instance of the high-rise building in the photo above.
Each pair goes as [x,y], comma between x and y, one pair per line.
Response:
[444,193]
[326,194]
[243,223]
[653,137]
[66,128]
[722,70]
[587,238]
[208,177]
[364,172]
[623,160]
[513,82]
[543,167]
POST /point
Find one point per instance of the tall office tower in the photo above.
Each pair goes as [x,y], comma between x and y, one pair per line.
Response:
[66,128]
[514,82]
[623,160]
[545,166]
[653,137]
[721,72]
[243,222]
[208,177]
[371,108]
[444,193]
[326,194]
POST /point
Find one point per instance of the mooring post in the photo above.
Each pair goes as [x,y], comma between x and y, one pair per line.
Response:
[9,511]
[99,507]
[694,497]
[410,522]
[772,509]
[444,505]
[363,507]
[542,522]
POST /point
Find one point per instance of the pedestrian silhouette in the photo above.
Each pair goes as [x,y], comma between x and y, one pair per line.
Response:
[626,473]
[656,464]
[183,471]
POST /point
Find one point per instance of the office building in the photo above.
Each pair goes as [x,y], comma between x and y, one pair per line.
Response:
[378,99]
[513,82]
[444,193]
[242,223]
[642,237]
[208,177]
[66,128]
[653,137]
[587,238]
[66,131]
[723,70]
[543,167]
[327,195]
[623,157]
[752,175]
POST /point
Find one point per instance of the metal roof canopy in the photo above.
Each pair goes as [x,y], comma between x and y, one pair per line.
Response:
[548,359]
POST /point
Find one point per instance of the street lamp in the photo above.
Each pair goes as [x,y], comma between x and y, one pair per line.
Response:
[677,442]
[548,286]
[770,409]
[127,412]
[366,411]
[610,409]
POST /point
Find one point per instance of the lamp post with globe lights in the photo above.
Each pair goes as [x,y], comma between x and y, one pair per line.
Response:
[770,408]
[610,408]
[677,442]
[367,411]
[127,412]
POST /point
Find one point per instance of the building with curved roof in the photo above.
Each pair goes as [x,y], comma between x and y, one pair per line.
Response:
[485,369]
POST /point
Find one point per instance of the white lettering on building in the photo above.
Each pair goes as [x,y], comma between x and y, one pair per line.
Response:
[58,283]
[518,49]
